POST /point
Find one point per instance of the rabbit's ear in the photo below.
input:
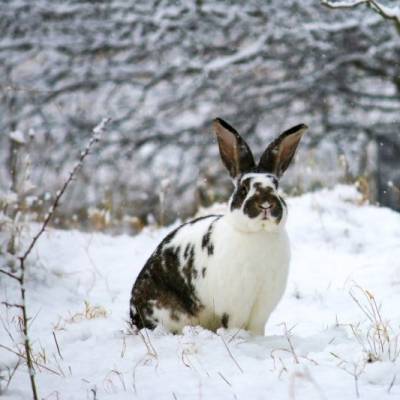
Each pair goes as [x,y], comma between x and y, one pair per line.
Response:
[235,153]
[278,155]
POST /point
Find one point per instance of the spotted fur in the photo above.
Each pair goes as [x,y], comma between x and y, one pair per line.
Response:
[167,280]
[206,242]
[224,270]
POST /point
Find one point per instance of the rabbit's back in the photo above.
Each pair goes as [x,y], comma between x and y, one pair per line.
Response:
[166,290]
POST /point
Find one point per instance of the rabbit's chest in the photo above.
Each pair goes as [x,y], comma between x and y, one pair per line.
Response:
[242,267]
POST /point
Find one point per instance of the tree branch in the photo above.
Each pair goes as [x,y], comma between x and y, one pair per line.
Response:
[343,4]
[10,275]
[386,12]
[94,139]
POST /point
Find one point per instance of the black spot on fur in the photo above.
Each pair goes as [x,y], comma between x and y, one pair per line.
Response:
[225,320]
[188,270]
[206,242]
[187,250]
[203,272]
[277,211]
[166,283]
[239,195]
[206,238]
[274,181]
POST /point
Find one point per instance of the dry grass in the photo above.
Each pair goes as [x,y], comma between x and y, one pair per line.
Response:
[379,341]
[89,312]
[376,337]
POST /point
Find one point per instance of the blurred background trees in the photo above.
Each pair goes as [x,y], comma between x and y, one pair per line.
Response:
[163,69]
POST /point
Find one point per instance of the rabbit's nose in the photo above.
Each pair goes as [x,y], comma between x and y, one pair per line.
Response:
[265,206]
[272,206]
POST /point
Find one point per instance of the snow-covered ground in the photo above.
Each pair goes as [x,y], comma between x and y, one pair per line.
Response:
[345,256]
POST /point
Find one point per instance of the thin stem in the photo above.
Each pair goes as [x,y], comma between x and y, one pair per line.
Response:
[27,345]
[21,279]
[94,139]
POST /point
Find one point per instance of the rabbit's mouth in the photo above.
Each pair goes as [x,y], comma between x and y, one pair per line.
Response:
[263,206]
[266,212]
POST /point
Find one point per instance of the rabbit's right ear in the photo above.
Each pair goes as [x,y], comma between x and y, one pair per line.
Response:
[235,153]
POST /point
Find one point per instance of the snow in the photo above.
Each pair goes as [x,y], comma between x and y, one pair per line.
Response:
[316,341]
[240,56]
[17,136]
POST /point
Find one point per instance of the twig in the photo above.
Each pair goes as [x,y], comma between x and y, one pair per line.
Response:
[94,392]
[224,379]
[236,333]
[10,275]
[58,347]
[7,304]
[25,322]
[150,348]
[287,335]
[22,259]
[94,139]
[231,355]
[11,375]
[23,356]
[392,383]
[357,370]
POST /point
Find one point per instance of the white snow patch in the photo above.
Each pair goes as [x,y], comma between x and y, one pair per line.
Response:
[17,136]
[80,284]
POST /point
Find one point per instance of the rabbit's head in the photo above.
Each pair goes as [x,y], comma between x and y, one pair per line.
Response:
[255,203]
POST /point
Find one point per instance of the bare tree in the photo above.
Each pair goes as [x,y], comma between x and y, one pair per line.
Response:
[164,69]
[388,142]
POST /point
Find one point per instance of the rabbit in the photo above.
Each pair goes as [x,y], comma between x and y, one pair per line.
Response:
[226,270]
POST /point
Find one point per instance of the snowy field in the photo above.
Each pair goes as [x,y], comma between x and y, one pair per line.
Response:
[326,339]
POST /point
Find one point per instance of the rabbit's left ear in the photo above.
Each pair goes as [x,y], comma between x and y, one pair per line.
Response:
[278,155]
[235,153]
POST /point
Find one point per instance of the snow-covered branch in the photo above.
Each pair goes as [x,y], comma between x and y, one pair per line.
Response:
[387,12]
[343,4]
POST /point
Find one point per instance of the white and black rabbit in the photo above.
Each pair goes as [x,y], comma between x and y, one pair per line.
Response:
[224,270]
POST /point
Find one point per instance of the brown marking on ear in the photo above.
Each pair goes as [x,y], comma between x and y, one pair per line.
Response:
[279,154]
[235,153]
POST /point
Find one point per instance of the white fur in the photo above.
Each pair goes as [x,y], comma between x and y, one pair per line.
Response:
[246,274]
